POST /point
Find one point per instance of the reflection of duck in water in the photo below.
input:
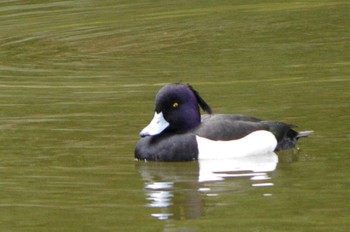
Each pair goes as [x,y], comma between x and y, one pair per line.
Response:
[177,133]
[179,190]
[172,189]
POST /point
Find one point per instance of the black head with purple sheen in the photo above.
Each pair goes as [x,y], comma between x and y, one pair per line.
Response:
[179,105]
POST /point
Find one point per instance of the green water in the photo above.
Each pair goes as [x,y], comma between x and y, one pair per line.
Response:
[77,83]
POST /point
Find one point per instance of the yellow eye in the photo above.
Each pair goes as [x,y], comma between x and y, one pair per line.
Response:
[175,105]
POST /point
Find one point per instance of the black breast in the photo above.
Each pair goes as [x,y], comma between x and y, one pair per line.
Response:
[167,147]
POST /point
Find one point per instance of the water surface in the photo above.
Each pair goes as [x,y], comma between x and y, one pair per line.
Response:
[77,84]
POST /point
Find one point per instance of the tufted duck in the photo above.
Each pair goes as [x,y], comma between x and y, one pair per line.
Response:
[177,131]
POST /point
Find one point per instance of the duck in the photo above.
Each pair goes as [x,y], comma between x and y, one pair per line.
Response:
[178,131]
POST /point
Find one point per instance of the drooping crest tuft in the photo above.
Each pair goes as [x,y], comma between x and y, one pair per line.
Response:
[200,100]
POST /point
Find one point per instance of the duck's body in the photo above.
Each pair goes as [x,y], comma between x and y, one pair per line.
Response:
[177,132]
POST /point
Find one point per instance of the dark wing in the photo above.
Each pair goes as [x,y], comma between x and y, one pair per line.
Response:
[231,117]
[228,127]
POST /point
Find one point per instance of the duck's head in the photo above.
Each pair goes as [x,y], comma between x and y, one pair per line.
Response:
[176,110]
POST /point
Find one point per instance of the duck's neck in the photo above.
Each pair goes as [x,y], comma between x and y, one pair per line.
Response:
[188,121]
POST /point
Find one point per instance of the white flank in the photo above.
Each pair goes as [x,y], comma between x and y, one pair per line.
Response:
[156,126]
[257,142]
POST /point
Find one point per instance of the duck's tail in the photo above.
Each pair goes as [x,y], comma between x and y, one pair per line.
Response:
[302,134]
[287,138]
[290,138]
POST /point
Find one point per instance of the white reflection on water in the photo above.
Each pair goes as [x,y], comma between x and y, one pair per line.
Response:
[178,190]
[254,166]
[159,194]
